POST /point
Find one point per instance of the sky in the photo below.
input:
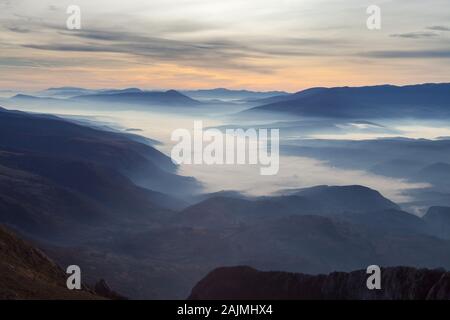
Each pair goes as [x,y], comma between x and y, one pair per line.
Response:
[254,44]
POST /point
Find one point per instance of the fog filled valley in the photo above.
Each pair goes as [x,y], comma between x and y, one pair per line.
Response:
[364,178]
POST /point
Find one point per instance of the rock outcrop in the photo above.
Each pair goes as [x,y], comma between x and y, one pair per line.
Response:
[27,273]
[397,283]
[102,288]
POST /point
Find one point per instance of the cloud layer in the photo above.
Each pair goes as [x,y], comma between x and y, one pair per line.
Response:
[266,44]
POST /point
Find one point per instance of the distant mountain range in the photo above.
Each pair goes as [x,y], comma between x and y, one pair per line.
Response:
[424,101]
[166,98]
[130,96]
[146,97]
[232,95]
[245,283]
[425,161]
[68,92]
[225,210]
[201,94]
[385,101]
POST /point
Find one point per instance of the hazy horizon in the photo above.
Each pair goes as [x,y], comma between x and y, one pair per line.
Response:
[34,90]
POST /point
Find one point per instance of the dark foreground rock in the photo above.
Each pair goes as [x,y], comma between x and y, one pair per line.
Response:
[27,273]
[102,288]
[398,283]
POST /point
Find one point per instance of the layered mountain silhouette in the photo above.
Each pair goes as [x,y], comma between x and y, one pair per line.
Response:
[398,283]
[228,94]
[178,255]
[105,99]
[425,161]
[136,96]
[68,177]
[203,94]
[346,198]
[385,101]
[50,136]
[221,210]
[348,225]
[110,204]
